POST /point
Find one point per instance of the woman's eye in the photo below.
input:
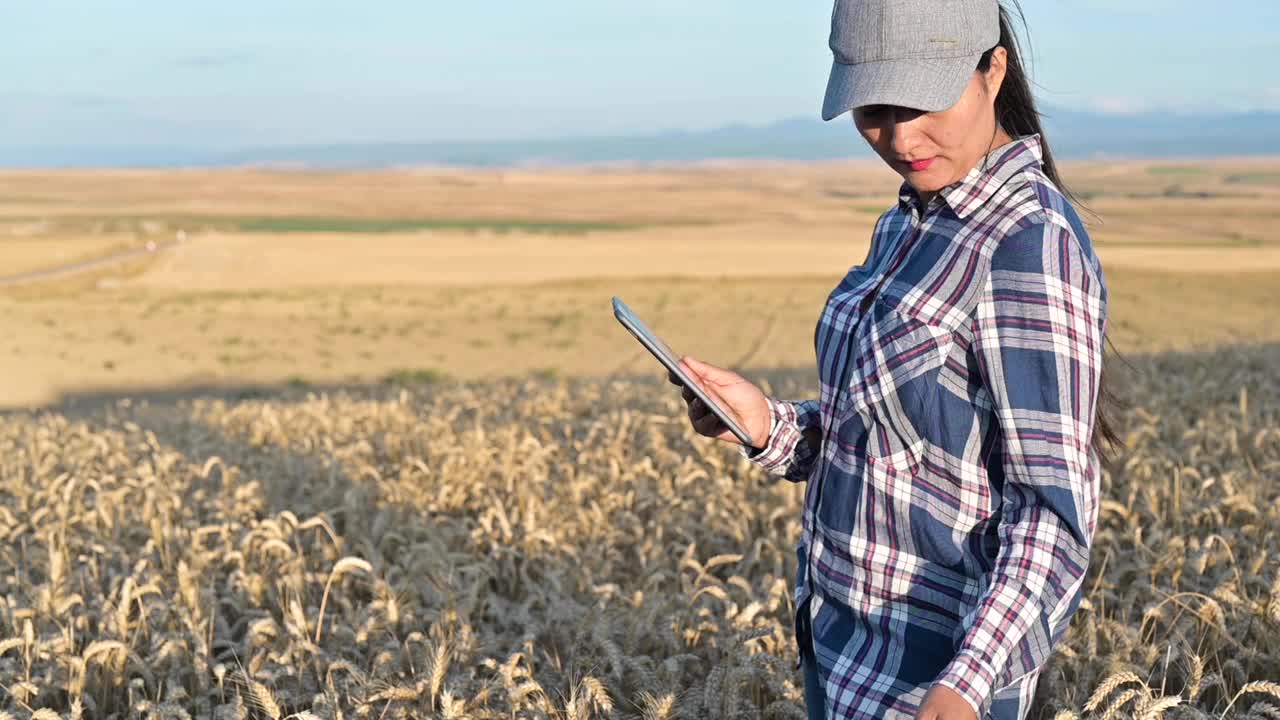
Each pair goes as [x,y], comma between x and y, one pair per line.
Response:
[871,112]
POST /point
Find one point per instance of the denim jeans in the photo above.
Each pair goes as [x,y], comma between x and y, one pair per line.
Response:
[814,699]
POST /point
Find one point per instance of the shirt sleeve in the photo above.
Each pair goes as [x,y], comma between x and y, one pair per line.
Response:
[1037,336]
[787,452]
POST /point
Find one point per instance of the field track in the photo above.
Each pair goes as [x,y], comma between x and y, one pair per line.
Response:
[61,272]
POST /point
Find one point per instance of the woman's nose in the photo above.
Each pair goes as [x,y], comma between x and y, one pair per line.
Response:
[904,131]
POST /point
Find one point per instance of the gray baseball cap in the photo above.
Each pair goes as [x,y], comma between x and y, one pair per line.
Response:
[914,53]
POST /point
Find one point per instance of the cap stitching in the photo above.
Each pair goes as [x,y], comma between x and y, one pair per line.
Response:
[881,58]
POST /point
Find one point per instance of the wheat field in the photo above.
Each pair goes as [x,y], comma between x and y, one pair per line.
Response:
[369,445]
[563,548]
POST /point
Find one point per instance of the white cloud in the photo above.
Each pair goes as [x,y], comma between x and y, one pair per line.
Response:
[1137,6]
[1120,105]
[1267,99]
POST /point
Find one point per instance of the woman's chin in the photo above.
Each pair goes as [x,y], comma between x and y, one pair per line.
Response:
[924,184]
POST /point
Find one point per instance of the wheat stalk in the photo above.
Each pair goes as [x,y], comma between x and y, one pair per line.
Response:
[1108,686]
[1262,687]
[1155,708]
[345,565]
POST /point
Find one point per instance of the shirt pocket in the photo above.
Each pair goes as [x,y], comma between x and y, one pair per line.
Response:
[893,384]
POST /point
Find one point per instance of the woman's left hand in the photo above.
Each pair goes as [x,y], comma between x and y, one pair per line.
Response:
[943,703]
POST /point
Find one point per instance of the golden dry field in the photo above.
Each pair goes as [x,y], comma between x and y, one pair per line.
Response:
[327,277]
[371,445]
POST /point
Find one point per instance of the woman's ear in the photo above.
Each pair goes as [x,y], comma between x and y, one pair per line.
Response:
[994,77]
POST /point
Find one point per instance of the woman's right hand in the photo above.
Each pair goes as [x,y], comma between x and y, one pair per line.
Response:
[743,400]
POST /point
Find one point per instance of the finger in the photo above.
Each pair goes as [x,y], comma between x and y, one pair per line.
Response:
[693,362]
[695,368]
[698,410]
[722,433]
[688,395]
[674,379]
[707,373]
[713,393]
[718,399]
[709,425]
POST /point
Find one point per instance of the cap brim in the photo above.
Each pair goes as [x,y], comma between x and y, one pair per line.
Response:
[929,84]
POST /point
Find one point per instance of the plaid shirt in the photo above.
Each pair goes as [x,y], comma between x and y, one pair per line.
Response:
[952,500]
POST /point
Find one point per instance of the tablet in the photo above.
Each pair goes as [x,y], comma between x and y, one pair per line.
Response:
[670,361]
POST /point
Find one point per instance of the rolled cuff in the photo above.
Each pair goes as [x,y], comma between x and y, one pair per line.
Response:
[778,456]
[971,677]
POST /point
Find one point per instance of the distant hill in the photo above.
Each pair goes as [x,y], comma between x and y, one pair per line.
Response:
[1074,134]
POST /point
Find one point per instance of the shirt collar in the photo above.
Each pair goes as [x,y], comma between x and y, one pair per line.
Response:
[991,172]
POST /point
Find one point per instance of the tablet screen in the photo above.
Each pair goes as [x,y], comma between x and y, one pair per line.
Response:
[668,358]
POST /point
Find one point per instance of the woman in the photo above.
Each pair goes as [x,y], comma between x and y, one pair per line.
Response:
[953,457]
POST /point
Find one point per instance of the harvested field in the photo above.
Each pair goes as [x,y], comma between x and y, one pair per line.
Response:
[64,344]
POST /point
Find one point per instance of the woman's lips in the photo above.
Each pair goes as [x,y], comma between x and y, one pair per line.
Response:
[919,165]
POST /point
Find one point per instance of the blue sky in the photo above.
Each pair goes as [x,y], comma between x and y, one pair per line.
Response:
[234,73]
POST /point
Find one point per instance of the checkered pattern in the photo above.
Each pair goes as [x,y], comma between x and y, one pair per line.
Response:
[951,504]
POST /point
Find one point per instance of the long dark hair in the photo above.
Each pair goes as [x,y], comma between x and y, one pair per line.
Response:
[1016,113]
